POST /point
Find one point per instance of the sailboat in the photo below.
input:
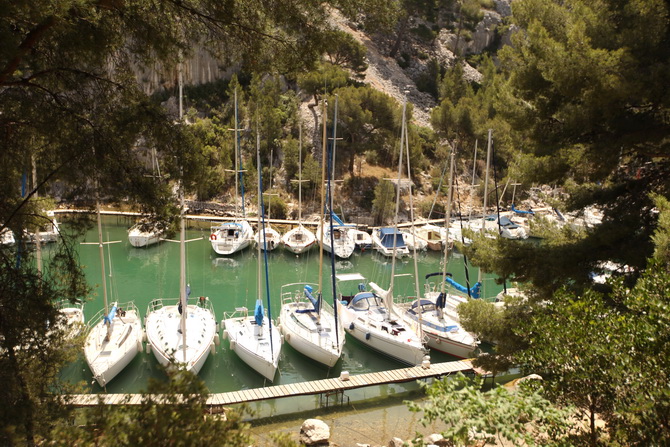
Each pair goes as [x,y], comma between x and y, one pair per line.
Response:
[178,332]
[299,239]
[230,237]
[148,231]
[267,237]
[115,336]
[49,232]
[145,233]
[181,333]
[308,323]
[254,338]
[335,237]
[427,316]
[369,316]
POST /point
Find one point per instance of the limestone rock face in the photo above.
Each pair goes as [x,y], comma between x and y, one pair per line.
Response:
[314,432]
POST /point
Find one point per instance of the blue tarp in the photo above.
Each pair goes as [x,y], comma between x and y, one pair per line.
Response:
[388,235]
[259,313]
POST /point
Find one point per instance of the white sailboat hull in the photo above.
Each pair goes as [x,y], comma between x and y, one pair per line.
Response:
[344,245]
[163,325]
[403,346]
[299,240]
[442,332]
[271,240]
[231,237]
[107,358]
[314,336]
[252,344]
[139,238]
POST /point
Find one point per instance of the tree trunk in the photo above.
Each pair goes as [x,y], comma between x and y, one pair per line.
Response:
[402,29]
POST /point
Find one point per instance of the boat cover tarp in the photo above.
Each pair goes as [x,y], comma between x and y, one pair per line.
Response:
[505,222]
[522,211]
[259,313]
[362,296]
[387,236]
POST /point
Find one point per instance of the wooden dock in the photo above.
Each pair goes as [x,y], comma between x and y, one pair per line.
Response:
[315,387]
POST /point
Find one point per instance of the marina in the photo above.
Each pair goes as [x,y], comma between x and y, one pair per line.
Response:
[146,274]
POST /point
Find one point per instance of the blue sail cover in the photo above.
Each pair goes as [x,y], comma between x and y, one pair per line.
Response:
[315,301]
[308,294]
[474,290]
[259,313]
[337,219]
[388,235]
[522,211]
[110,316]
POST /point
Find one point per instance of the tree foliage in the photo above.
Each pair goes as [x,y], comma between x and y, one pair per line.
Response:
[585,95]
[170,413]
[473,417]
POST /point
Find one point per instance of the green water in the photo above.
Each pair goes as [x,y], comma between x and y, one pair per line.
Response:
[143,274]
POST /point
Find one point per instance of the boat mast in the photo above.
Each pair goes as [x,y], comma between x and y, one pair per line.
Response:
[486,191]
[182,235]
[472,187]
[299,175]
[323,201]
[102,257]
[38,243]
[262,229]
[411,218]
[447,219]
[237,164]
[389,295]
[332,237]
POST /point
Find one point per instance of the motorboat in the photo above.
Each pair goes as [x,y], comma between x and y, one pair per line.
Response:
[413,242]
[362,239]
[389,242]
[434,236]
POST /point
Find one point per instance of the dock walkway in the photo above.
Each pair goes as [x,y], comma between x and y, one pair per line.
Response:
[315,387]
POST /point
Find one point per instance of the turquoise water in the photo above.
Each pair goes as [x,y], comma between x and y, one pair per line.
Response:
[144,274]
